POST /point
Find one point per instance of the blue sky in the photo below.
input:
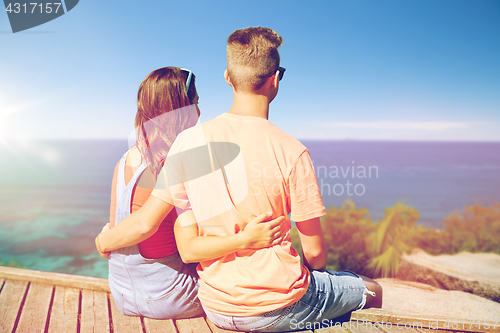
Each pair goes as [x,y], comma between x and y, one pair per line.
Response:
[366,70]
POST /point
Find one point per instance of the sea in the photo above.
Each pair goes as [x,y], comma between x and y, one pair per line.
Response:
[54,195]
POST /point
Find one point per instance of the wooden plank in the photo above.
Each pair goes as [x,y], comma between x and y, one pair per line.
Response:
[101,311]
[160,326]
[87,311]
[94,313]
[418,321]
[333,329]
[64,313]
[192,325]
[59,279]
[11,298]
[122,323]
[365,327]
[216,329]
[429,330]
[36,308]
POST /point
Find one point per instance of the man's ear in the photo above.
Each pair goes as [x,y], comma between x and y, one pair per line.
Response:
[276,79]
[228,79]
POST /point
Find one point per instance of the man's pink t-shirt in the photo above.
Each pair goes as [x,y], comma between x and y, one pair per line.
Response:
[228,171]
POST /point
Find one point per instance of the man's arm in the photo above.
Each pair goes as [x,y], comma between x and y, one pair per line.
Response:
[259,233]
[136,227]
[313,243]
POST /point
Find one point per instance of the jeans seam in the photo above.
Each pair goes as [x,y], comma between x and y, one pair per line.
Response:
[309,306]
[219,320]
[151,301]
[167,294]
[278,320]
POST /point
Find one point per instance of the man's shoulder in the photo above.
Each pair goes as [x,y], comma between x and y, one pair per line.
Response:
[290,139]
[265,132]
[204,126]
[286,141]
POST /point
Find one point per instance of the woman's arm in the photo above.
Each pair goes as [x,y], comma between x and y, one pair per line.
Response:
[135,228]
[259,233]
[143,223]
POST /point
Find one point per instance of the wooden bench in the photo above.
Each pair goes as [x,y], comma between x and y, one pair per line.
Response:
[34,301]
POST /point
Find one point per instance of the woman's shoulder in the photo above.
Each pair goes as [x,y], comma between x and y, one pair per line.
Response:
[134,158]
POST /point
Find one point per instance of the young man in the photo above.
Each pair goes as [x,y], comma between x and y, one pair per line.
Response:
[227,171]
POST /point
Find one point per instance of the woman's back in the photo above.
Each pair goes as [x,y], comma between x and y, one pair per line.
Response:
[162,243]
[161,287]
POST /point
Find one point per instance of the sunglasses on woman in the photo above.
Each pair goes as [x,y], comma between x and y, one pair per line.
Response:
[190,75]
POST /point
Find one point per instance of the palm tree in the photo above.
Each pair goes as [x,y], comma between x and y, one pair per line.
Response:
[388,243]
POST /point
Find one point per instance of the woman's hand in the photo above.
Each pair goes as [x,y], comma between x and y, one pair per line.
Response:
[106,227]
[262,232]
[105,255]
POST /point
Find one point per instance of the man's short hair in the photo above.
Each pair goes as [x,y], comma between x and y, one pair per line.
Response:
[252,54]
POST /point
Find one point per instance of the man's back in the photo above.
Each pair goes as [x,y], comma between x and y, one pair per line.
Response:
[257,168]
[238,166]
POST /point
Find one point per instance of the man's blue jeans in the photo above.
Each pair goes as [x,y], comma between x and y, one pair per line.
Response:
[329,295]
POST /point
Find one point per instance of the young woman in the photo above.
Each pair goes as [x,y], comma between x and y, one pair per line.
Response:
[149,278]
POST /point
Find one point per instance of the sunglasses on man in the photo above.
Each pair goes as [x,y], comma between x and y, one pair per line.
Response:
[282,72]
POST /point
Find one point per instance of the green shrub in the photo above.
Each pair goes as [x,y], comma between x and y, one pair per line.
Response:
[356,243]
